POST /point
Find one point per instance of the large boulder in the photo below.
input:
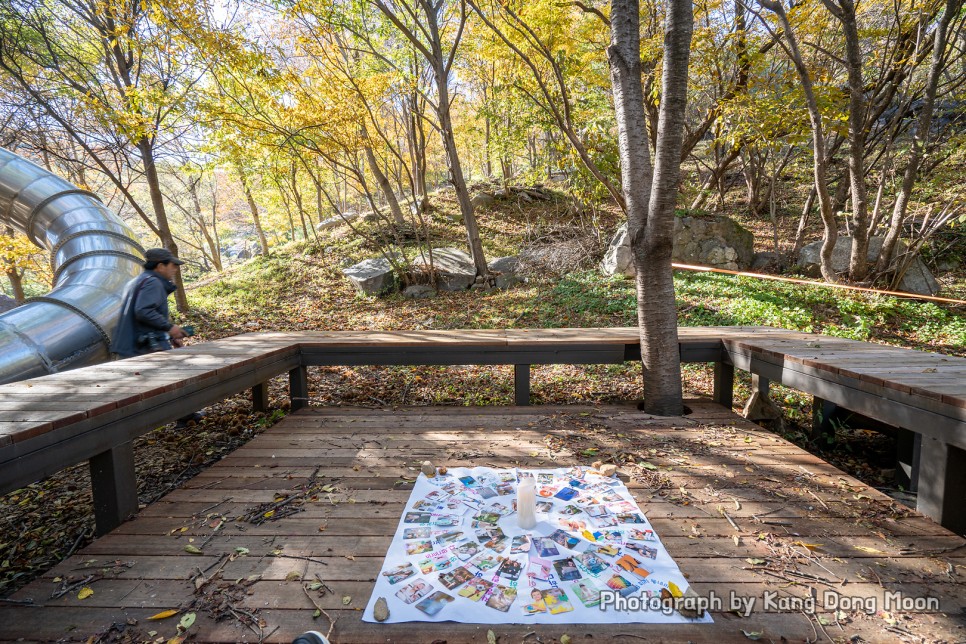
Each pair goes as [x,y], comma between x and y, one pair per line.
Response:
[7,303]
[917,279]
[718,242]
[505,271]
[455,270]
[482,199]
[372,276]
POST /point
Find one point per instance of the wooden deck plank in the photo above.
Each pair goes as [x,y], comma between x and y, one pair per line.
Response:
[858,529]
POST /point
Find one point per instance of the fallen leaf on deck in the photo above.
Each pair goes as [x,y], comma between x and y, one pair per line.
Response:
[85,592]
[753,635]
[187,621]
[164,614]
[192,549]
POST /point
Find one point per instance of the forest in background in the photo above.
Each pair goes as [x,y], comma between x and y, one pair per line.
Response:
[209,126]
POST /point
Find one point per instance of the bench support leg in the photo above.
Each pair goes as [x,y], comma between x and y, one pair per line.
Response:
[823,412]
[521,384]
[942,484]
[260,398]
[298,387]
[907,459]
[724,384]
[114,486]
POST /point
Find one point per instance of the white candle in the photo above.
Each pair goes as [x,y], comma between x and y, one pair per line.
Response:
[526,503]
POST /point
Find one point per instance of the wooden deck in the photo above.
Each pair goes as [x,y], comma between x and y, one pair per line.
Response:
[740,510]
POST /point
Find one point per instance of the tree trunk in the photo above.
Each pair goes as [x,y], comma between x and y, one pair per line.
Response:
[456,172]
[214,251]
[383,181]
[920,138]
[820,160]
[16,283]
[858,262]
[146,149]
[254,208]
[650,204]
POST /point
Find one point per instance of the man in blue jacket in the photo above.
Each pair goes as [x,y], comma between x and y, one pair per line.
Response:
[144,310]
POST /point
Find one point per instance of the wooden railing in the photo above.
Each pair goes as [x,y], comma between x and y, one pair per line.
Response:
[93,414]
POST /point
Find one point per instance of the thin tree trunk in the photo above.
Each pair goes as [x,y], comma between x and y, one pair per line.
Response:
[383,182]
[214,251]
[820,160]
[858,261]
[157,201]
[920,138]
[253,207]
[456,173]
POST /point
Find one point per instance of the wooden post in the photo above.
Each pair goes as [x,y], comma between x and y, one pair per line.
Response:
[822,413]
[942,484]
[114,486]
[724,384]
[521,384]
[260,398]
[298,387]
[908,446]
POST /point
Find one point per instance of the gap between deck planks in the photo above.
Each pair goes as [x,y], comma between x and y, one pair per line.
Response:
[787,499]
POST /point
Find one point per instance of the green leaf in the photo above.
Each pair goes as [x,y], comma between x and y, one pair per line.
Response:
[187,621]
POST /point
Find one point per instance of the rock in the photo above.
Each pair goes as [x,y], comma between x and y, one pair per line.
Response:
[504,271]
[596,464]
[338,220]
[917,279]
[455,270]
[482,199]
[618,259]
[372,276]
[419,292]
[762,408]
[764,261]
[428,469]
[608,469]
[7,303]
[380,611]
[718,242]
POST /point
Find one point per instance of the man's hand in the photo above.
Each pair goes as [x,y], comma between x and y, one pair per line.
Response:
[177,335]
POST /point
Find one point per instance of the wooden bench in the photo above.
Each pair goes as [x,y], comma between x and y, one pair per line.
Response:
[93,414]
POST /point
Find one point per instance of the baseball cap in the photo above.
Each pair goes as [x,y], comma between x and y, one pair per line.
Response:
[160,255]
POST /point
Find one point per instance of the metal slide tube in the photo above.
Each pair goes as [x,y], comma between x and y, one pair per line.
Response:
[93,255]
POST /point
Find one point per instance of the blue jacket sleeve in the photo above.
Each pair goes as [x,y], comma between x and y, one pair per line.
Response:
[148,307]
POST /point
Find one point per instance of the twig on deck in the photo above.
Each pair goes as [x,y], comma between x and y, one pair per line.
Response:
[212,507]
[66,588]
[321,610]
[21,602]
[318,561]
[824,504]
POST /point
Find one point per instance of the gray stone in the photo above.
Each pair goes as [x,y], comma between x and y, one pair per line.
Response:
[419,292]
[455,270]
[917,279]
[7,303]
[482,199]
[618,258]
[718,242]
[504,271]
[338,220]
[764,261]
[372,276]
